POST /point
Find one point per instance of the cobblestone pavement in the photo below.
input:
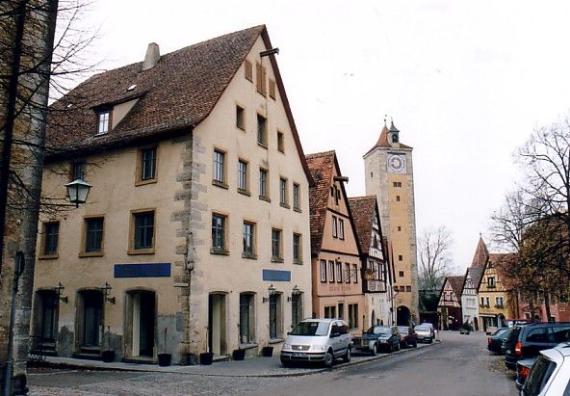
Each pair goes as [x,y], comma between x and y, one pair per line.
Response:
[459,366]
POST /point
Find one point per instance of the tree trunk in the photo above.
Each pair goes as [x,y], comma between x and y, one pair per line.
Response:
[547,305]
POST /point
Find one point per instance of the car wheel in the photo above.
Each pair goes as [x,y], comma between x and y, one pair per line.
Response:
[285,363]
[346,357]
[374,350]
[329,359]
[398,347]
[415,344]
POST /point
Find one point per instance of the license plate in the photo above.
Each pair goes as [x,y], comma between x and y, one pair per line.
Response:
[298,355]
[383,341]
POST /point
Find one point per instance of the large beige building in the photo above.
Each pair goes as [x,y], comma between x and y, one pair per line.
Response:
[389,175]
[195,235]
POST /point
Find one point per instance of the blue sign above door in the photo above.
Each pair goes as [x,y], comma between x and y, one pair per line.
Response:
[276,275]
[147,270]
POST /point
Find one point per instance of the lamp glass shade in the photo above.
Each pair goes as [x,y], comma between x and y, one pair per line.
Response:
[77,191]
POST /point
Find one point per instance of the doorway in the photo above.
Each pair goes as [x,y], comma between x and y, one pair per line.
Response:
[141,321]
[217,324]
[403,316]
[45,316]
[90,321]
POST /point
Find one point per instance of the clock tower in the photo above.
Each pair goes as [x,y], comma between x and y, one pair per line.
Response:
[389,176]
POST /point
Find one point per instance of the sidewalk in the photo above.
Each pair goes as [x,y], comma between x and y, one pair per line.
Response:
[261,367]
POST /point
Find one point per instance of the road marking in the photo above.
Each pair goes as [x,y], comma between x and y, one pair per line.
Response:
[53,373]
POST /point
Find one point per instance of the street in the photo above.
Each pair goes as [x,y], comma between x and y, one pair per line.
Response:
[460,365]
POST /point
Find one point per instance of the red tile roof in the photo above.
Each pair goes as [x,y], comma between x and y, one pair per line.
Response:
[384,142]
[456,283]
[481,254]
[363,210]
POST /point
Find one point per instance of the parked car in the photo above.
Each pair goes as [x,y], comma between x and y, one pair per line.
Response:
[378,338]
[497,342]
[408,337]
[528,340]
[425,332]
[317,340]
[550,374]
[523,370]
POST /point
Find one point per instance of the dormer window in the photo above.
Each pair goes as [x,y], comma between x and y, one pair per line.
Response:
[104,121]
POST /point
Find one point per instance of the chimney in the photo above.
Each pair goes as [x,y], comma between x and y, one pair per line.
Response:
[151,57]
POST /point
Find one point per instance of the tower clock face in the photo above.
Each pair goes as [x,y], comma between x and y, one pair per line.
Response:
[396,163]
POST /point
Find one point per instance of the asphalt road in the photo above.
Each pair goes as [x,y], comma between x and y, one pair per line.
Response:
[460,365]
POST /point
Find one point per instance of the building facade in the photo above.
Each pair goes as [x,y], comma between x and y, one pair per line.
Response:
[469,296]
[336,266]
[377,269]
[195,236]
[389,175]
[449,305]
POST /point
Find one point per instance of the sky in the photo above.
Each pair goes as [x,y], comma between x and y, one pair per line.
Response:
[466,82]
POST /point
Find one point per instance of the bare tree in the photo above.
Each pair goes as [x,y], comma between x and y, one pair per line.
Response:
[435,257]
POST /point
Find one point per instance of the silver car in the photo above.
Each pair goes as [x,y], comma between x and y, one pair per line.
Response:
[550,374]
[317,340]
[425,332]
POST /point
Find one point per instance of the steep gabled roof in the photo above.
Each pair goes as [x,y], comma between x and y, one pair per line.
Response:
[175,95]
[481,254]
[476,273]
[456,283]
[384,142]
[363,210]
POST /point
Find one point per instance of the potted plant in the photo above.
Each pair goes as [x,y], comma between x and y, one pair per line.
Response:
[238,354]
[206,358]
[108,355]
[164,358]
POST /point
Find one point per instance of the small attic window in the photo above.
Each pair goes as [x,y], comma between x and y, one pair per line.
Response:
[130,88]
[103,121]
[69,106]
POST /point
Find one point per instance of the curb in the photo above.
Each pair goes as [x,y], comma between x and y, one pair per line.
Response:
[203,374]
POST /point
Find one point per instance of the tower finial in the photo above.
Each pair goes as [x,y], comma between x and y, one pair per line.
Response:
[385,116]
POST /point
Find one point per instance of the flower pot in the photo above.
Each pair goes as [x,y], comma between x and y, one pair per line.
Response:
[108,356]
[164,359]
[267,351]
[206,358]
[238,354]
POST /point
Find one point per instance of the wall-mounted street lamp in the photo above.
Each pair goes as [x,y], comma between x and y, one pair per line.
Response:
[59,290]
[270,291]
[294,291]
[106,289]
[77,191]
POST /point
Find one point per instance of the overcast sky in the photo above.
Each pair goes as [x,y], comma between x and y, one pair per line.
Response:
[465,82]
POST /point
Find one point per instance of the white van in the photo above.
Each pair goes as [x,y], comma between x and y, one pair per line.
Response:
[317,340]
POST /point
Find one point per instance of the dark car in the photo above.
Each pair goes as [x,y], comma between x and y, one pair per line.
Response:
[497,341]
[378,338]
[408,336]
[528,340]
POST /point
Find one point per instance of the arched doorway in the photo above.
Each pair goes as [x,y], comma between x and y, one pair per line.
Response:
[403,316]
[501,320]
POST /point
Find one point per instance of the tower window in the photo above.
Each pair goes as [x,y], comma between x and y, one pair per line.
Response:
[400,257]
[399,228]
[401,274]
[397,198]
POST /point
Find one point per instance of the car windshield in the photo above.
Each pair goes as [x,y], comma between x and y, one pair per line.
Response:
[505,334]
[403,329]
[379,330]
[422,328]
[539,375]
[499,331]
[311,329]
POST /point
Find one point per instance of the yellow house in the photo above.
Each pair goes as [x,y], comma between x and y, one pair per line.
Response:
[497,302]
[195,235]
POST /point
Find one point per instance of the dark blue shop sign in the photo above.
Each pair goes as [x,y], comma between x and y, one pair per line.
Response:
[276,275]
[146,270]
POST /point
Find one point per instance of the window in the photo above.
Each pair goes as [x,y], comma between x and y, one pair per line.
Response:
[399,228]
[77,170]
[355,272]
[561,333]
[143,236]
[263,185]
[331,271]
[272,94]
[283,195]
[276,254]
[246,318]
[219,167]
[482,301]
[243,182]
[261,82]
[261,131]
[240,117]
[341,310]
[248,239]
[347,275]
[499,302]
[397,184]
[487,302]
[296,308]
[539,334]
[330,312]
[323,271]
[51,238]
[400,257]
[296,196]
[339,272]
[401,274]
[341,228]
[491,281]
[275,316]
[408,288]
[218,233]
[103,122]
[147,164]
[297,253]
[93,242]
[353,316]
[248,70]
[397,198]
[334,227]
[280,142]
